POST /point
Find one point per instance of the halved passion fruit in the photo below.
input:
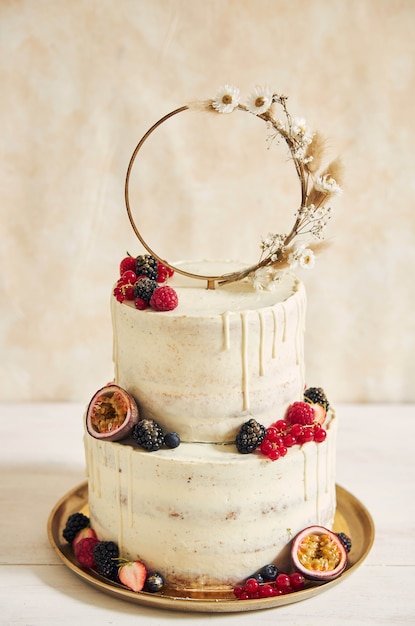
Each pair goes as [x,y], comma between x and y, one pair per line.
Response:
[318,554]
[111,414]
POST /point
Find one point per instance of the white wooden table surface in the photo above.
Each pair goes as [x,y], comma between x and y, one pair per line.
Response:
[41,459]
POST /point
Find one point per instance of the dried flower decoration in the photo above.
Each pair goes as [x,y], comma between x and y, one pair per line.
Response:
[319,184]
[259,100]
[298,247]
[227,99]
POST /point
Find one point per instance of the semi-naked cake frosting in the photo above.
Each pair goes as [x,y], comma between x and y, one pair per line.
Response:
[222,355]
[203,514]
[212,453]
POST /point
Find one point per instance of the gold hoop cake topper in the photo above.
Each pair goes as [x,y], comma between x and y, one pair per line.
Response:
[319,184]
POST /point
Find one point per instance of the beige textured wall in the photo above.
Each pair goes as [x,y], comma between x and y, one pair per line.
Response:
[81,81]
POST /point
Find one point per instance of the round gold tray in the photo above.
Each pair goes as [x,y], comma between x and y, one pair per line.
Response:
[351,517]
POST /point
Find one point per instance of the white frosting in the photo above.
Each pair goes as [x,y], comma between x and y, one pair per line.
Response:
[222,356]
[203,514]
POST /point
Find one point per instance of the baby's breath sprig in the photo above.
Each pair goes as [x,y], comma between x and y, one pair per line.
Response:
[318,184]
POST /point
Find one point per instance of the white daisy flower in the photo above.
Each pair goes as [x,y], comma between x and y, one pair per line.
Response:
[307,259]
[259,100]
[327,184]
[265,278]
[300,130]
[226,99]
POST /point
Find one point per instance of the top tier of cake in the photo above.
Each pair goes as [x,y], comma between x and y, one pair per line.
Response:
[223,356]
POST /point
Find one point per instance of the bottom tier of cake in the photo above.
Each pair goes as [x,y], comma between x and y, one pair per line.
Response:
[203,515]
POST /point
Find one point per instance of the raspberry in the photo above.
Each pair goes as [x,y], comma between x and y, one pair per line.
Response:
[74,523]
[300,413]
[127,264]
[148,434]
[164,299]
[84,551]
[250,436]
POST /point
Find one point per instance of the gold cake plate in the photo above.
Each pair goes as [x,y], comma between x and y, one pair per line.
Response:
[351,517]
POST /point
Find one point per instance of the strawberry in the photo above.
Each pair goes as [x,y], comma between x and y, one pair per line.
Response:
[84,551]
[133,575]
[320,413]
[164,299]
[85,533]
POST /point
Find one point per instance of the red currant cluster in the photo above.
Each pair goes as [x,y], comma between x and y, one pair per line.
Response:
[283,584]
[298,427]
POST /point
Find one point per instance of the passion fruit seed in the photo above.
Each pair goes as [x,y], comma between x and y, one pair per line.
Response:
[319,553]
[108,412]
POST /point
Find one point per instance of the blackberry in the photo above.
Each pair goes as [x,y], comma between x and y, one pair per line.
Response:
[106,555]
[346,541]
[74,523]
[146,265]
[148,434]
[250,436]
[316,395]
[144,288]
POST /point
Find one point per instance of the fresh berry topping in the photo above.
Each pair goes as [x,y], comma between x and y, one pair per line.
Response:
[85,533]
[252,585]
[297,581]
[84,551]
[129,277]
[146,265]
[346,541]
[319,433]
[316,395]
[320,413]
[269,572]
[154,582]
[300,413]
[280,584]
[283,582]
[164,299]
[306,436]
[124,290]
[140,304]
[250,436]
[148,434]
[172,440]
[106,555]
[74,524]
[144,288]
[133,575]
[127,264]
[163,273]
